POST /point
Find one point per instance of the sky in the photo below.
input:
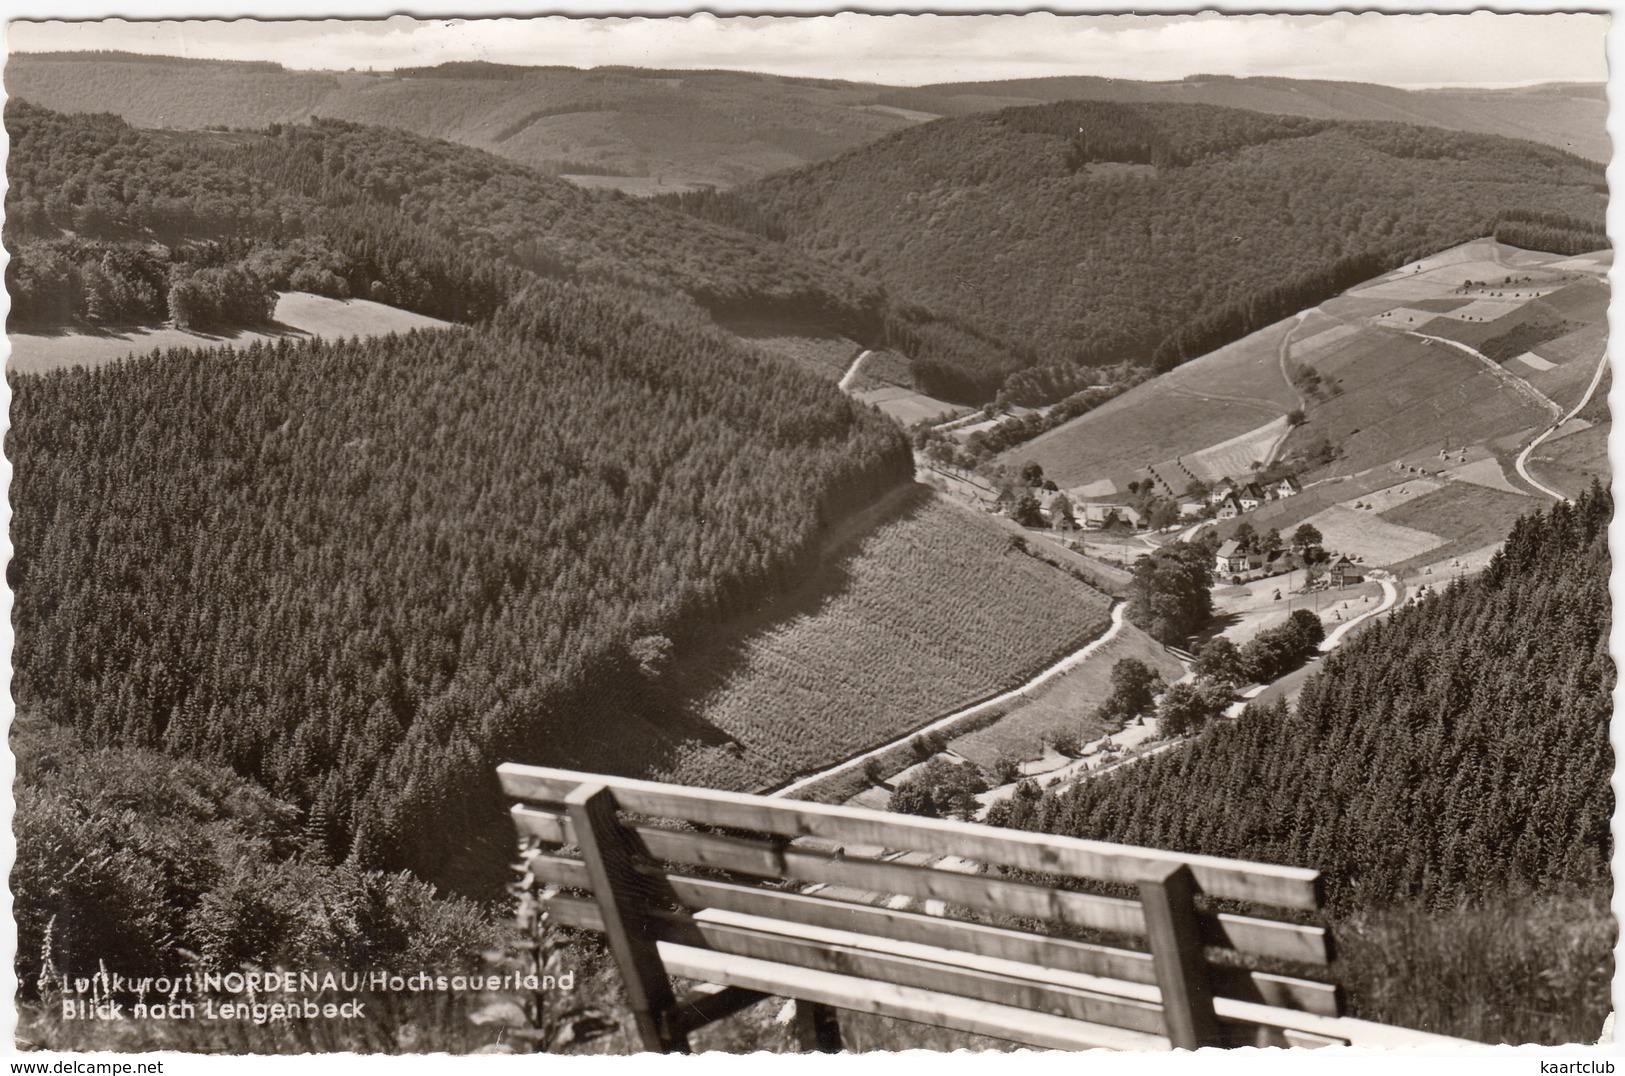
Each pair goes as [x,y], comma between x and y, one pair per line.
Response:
[1480,48]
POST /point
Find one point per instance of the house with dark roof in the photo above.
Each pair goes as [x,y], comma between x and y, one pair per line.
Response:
[1345,572]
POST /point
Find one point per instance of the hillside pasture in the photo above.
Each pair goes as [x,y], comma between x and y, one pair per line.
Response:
[298,315]
[1066,704]
[1249,368]
[1320,331]
[1598,263]
[1236,456]
[1573,360]
[1585,345]
[1465,516]
[1486,472]
[1535,362]
[1400,395]
[1569,463]
[1393,496]
[926,612]
[1222,396]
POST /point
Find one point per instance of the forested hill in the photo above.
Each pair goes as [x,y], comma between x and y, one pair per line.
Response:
[654,129]
[383,198]
[346,210]
[1093,233]
[1458,751]
[362,573]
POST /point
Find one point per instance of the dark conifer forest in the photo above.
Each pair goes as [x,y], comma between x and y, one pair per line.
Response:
[1092,233]
[1454,753]
[518,506]
[362,572]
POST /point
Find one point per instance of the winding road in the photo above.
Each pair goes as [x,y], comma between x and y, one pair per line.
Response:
[942,724]
[1523,457]
[1390,595]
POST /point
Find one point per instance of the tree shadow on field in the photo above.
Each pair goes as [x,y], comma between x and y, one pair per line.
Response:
[1221,623]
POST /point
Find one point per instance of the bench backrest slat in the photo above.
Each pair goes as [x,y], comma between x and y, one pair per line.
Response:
[1262,883]
[999,896]
[673,877]
[1055,954]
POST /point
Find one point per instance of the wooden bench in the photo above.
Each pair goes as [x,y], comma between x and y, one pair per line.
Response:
[697,884]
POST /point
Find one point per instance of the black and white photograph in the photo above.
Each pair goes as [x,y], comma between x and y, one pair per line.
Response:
[811,532]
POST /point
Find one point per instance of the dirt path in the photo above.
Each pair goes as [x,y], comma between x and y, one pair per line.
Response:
[1390,595]
[1512,381]
[1523,457]
[1066,664]
[851,375]
[1285,355]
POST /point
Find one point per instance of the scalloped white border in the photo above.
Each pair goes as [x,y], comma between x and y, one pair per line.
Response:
[1490,1061]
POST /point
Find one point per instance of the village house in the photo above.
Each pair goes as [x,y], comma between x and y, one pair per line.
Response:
[1190,509]
[1286,487]
[1230,559]
[1251,497]
[1345,572]
[1218,493]
[1229,508]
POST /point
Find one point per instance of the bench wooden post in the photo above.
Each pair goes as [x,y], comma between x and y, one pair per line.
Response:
[818,1028]
[607,850]
[1167,895]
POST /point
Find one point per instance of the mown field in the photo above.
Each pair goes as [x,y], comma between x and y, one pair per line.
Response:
[298,315]
[930,610]
[907,405]
[1399,395]
[1467,516]
[1067,704]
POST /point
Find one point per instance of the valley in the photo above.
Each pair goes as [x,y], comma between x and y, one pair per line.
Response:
[1423,430]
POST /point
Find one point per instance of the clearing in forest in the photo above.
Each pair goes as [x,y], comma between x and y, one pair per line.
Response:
[826,356]
[906,405]
[298,315]
[928,611]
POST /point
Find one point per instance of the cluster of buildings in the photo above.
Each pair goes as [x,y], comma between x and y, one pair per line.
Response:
[1231,560]
[1229,500]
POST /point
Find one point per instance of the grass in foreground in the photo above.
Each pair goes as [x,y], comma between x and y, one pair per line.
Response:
[1533,968]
